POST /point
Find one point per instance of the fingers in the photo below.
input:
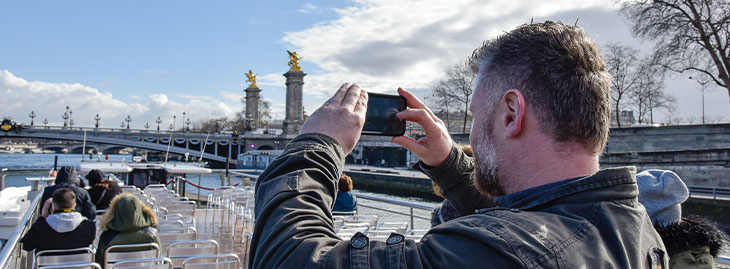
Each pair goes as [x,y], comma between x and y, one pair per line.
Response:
[362,103]
[408,143]
[352,96]
[414,102]
[339,95]
[422,117]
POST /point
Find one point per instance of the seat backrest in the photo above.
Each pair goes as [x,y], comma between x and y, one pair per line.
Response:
[371,219]
[151,263]
[73,265]
[117,253]
[220,261]
[63,256]
[170,224]
[181,250]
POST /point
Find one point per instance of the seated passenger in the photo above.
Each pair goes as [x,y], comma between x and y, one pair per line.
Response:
[102,191]
[346,201]
[60,226]
[126,221]
[691,241]
[68,178]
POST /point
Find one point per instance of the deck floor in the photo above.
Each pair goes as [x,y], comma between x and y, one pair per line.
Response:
[228,241]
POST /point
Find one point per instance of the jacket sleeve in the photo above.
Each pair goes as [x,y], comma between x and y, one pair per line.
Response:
[294,227]
[88,209]
[454,177]
[31,239]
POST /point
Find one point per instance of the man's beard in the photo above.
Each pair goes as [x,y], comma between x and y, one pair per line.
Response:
[485,177]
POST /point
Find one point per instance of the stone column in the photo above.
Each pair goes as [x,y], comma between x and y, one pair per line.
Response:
[293,120]
[252,106]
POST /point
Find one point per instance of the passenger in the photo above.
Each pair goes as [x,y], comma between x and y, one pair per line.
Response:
[60,226]
[102,191]
[541,114]
[68,178]
[466,198]
[346,202]
[691,241]
[127,221]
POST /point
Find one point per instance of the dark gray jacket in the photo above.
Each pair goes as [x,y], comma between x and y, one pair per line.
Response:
[68,178]
[595,222]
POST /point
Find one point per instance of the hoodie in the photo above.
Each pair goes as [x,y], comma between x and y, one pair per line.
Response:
[131,223]
[68,178]
[61,230]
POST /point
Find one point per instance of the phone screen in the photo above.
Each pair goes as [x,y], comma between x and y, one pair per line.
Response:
[380,118]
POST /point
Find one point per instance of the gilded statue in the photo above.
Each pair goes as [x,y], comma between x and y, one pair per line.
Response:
[251,79]
[294,61]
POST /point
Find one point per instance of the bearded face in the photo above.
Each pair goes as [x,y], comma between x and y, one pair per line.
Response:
[486,175]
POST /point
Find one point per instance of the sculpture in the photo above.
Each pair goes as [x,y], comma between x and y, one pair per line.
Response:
[294,61]
[251,79]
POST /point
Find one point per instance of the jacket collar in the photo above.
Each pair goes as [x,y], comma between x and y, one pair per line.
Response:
[608,184]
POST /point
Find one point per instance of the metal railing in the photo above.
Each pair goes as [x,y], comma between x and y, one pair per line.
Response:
[12,255]
[409,205]
[718,193]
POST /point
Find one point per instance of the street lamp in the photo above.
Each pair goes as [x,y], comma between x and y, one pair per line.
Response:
[71,123]
[188,124]
[122,125]
[158,121]
[65,117]
[97,119]
[174,119]
[703,85]
[147,126]
[45,122]
[128,119]
[172,127]
[32,116]
[183,121]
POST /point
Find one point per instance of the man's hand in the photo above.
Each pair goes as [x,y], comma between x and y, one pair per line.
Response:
[436,146]
[46,211]
[341,117]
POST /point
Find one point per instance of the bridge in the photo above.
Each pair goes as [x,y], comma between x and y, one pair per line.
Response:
[216,148]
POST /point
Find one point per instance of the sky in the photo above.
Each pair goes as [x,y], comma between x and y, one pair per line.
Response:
[150,59]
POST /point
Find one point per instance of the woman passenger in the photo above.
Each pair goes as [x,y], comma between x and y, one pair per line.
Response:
[346,202]
[102,191]
[127,221]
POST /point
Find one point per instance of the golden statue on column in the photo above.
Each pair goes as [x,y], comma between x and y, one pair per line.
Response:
[251,79]
[294,61]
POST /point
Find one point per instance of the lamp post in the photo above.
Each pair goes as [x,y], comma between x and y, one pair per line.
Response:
[147,126]
[97,119]
[183,121]
[187,122]
[71,123]
[172,127]
[65,118]
[32,117]
[128,120]
[703,85]
[174,119]
[45,123]
[122,125]
[158,121]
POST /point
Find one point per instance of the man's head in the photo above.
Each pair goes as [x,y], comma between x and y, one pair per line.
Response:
[64,198]
[543,81]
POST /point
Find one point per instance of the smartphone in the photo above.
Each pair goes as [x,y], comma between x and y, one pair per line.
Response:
[380,118]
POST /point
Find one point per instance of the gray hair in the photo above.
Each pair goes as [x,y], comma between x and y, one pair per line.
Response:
[560,72]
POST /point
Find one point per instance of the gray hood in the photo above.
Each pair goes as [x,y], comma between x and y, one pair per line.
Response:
[65,222]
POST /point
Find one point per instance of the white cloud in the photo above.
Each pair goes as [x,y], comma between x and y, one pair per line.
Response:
[309,8]
[49,101]
[384,44]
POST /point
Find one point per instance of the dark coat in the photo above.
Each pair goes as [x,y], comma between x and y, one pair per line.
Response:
[42,236]
[68,178]
[130,225]
[345,202]
[595,222]
[102,196]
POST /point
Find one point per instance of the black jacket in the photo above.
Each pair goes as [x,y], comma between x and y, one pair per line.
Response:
[68,178]
[44,236]
[96,192]
[594,222]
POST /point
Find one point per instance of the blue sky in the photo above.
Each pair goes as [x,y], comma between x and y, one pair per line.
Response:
[159,58]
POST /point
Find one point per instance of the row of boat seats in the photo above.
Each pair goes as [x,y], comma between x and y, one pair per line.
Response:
[183,254]
[347,226]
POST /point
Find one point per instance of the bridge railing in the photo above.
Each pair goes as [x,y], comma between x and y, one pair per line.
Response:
[704,192]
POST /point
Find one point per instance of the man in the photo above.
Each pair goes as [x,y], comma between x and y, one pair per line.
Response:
[68,178]
[60,225]
[541,115]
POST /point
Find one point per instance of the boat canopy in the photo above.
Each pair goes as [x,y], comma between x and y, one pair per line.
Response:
[171,168]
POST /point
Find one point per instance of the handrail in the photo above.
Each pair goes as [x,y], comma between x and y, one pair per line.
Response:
[724,260]
[13,244]
[714,191]
[394,202]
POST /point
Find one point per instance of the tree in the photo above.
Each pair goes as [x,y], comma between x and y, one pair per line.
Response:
[212,125]
[649,94]
[690,35]
[443,100]
[457,87]
[623,64]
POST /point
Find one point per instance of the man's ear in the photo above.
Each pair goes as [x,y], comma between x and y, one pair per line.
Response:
[513,103]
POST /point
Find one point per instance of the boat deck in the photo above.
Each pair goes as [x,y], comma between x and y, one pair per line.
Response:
[229,240]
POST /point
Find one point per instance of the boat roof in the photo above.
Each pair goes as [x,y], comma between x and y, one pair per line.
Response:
[118,167]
